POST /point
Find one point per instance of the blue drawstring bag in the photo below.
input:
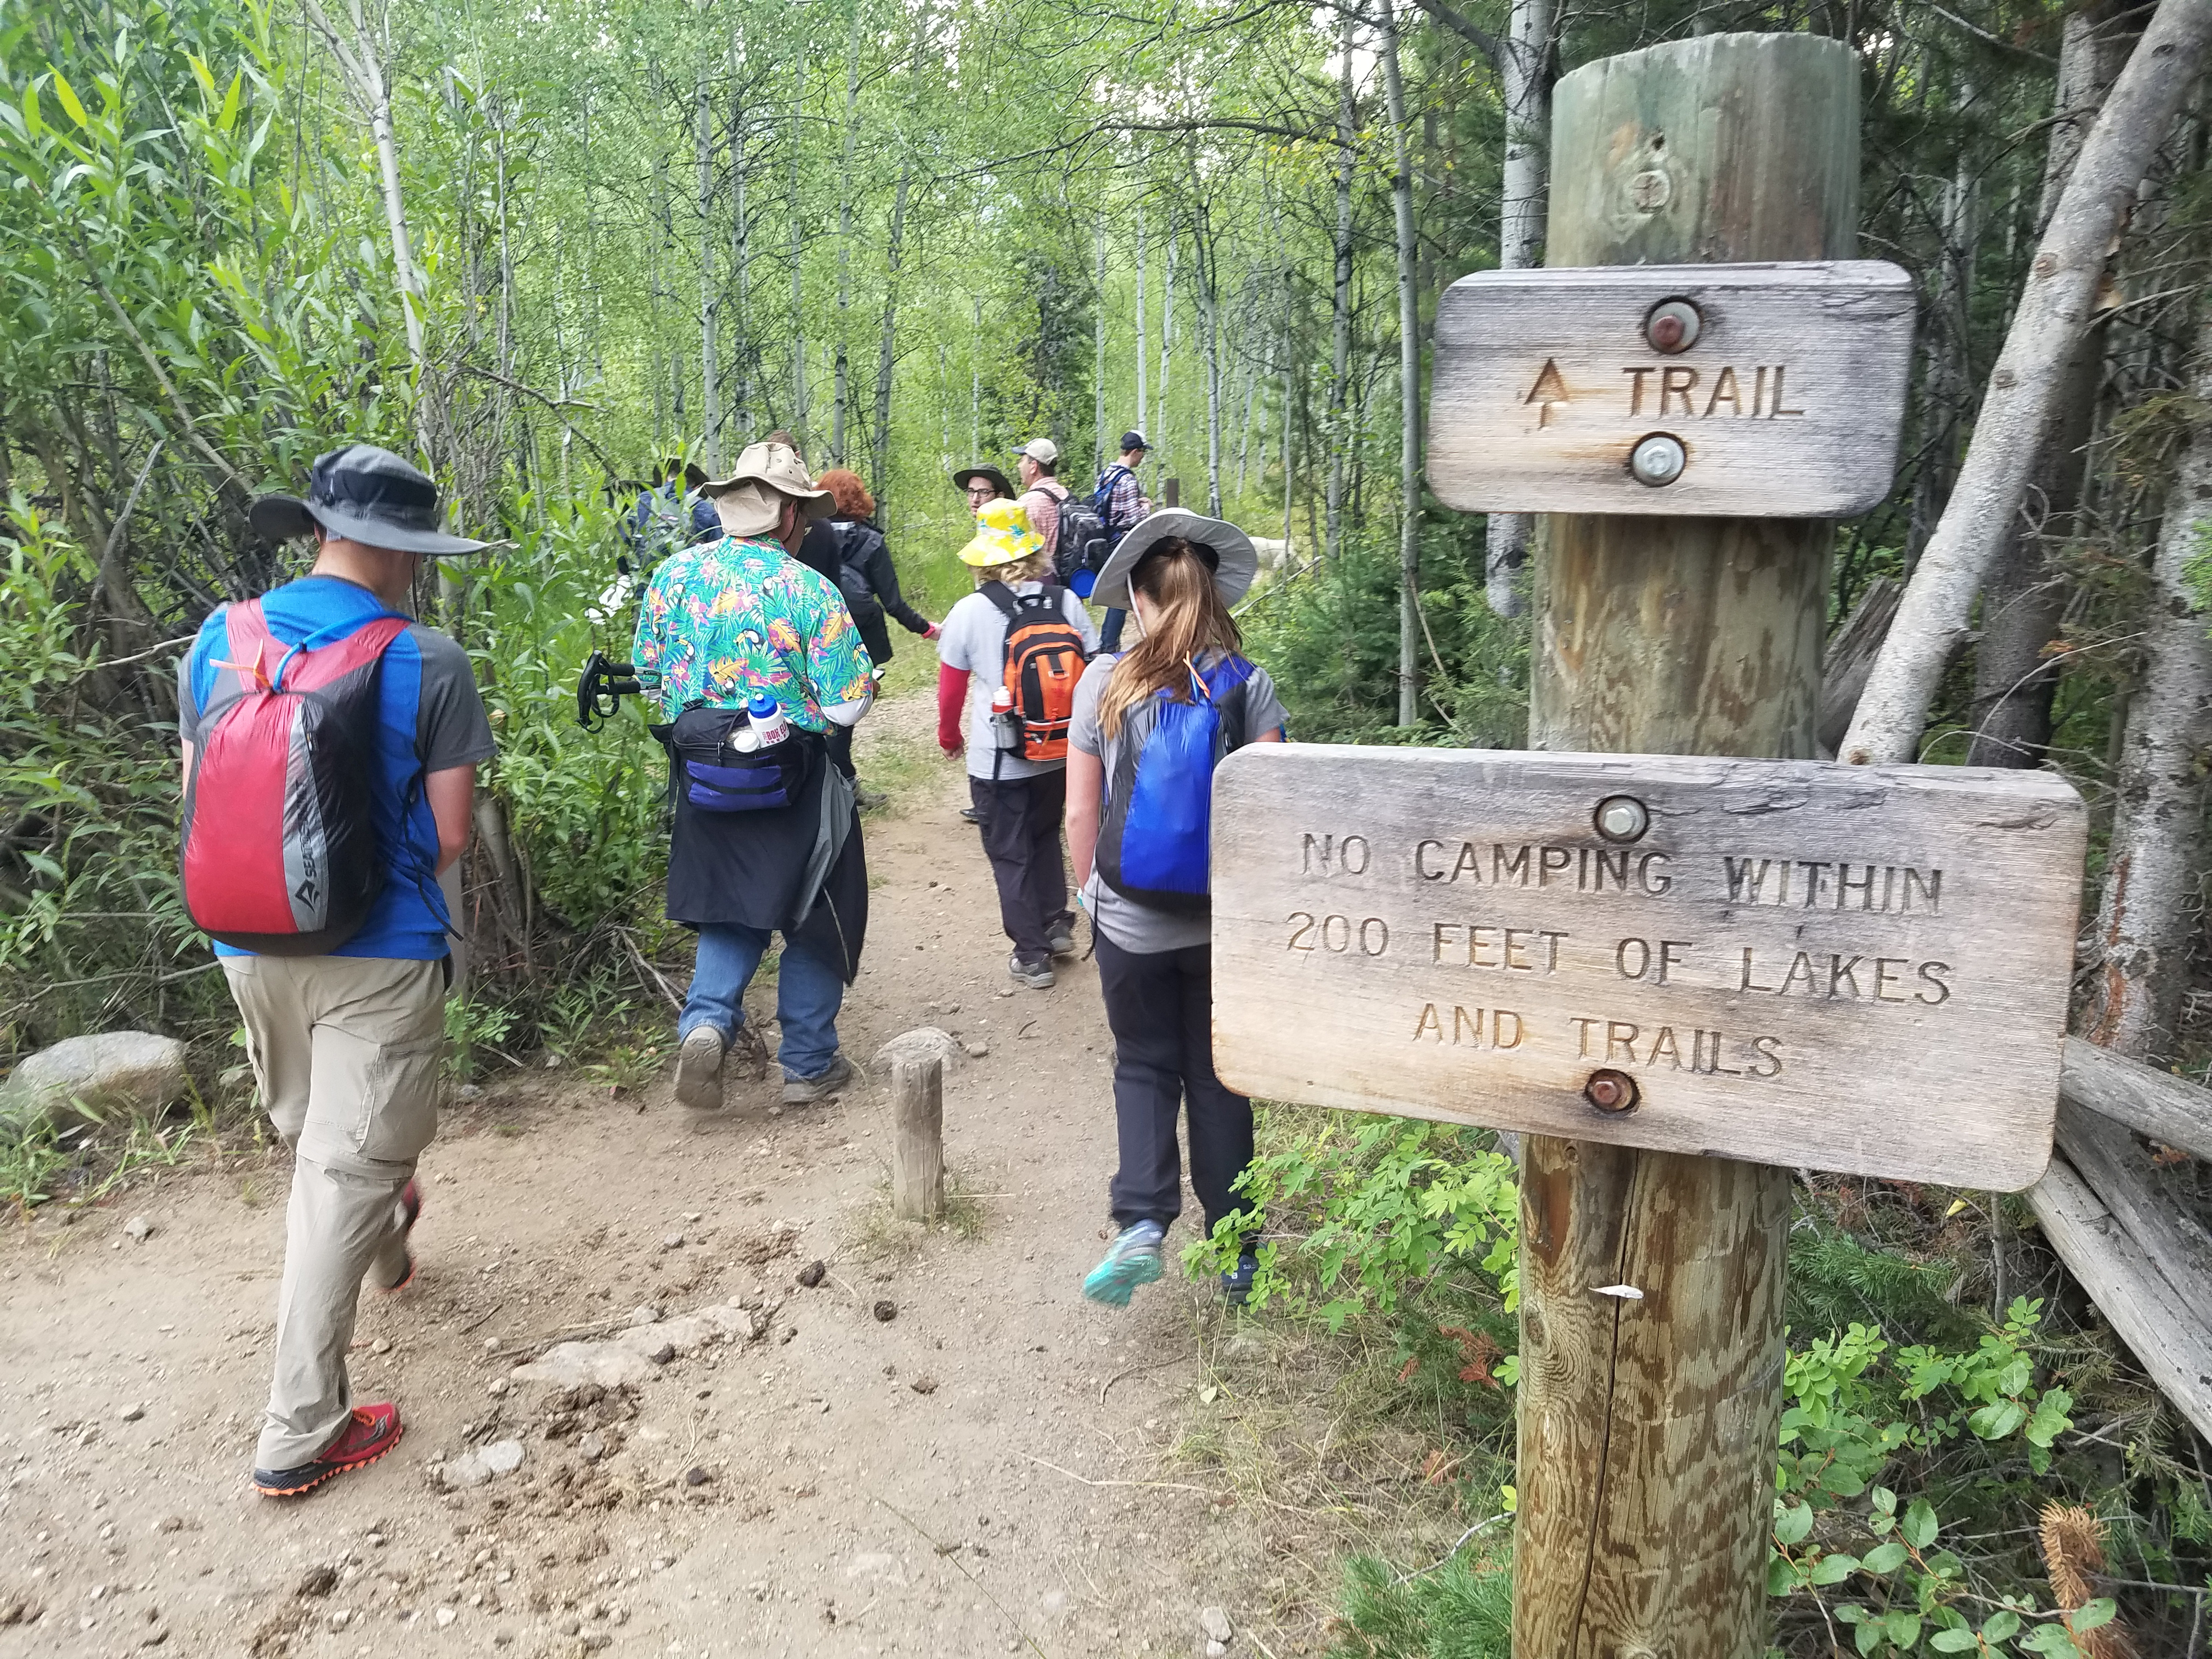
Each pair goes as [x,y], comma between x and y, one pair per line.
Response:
[1155,842]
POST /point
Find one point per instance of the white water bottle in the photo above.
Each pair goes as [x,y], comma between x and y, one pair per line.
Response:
[768,722]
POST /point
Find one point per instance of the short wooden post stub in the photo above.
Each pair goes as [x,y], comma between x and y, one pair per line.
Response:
[918,1138]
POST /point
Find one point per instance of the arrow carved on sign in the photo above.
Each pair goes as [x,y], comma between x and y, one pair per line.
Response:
[1551,388]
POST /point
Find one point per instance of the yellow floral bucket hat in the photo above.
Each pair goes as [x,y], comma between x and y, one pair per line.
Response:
[1003,536]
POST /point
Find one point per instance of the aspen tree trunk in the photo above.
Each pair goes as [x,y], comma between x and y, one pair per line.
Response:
[975,387]
[1347,139]
[2151,909]
[2054,312]
[845,243]
[1525,68]
[1209,317]
[1142,403]
[740,250]
[1167,344]
[886,352]
[1098,373]
[710,390]
[1409,386]
[2024,601]
[799,404]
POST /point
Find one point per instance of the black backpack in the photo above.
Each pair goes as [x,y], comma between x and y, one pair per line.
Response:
[1081,543]
[853,547]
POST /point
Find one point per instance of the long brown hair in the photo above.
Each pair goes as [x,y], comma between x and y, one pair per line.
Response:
[1188,618]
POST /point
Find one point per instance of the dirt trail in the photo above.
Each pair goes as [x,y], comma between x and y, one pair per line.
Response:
[947,1482]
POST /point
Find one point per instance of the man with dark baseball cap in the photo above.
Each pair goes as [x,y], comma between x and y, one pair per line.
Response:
[346,1042]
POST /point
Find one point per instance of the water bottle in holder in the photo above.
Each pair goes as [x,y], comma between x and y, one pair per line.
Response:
[1005,722]
[765,726]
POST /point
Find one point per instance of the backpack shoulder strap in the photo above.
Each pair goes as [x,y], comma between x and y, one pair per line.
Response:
[1008,601]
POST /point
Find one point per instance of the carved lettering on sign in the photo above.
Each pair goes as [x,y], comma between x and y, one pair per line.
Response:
[1857,968]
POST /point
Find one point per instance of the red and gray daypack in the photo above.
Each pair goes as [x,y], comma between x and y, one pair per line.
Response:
[281,852]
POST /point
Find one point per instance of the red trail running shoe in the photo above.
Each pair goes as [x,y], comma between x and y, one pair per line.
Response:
[374,1432]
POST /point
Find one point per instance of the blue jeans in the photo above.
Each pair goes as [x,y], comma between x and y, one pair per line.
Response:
[808,993]
[1109,631]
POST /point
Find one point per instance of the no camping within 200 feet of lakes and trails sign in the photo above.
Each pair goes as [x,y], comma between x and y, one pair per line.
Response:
[1856,968]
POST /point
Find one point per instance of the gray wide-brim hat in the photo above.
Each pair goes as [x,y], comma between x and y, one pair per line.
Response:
[1236,560]
[365,495]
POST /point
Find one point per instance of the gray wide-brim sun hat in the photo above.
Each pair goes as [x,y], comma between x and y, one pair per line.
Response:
[1236,560]
[365,495]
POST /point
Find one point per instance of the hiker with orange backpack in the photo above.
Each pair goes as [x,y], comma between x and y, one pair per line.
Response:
[1011,655]
[1149,727]
[330,746]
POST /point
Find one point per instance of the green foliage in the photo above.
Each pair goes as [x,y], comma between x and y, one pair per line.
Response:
[1463,1609]
[1393,1202]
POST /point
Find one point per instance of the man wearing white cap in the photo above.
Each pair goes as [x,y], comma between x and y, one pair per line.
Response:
[1036,463]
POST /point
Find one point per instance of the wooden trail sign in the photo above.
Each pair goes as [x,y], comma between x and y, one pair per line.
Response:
[1858,968]
[1767,391]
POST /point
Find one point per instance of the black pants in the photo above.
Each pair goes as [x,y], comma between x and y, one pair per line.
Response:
[1160,1005]
[1020,821]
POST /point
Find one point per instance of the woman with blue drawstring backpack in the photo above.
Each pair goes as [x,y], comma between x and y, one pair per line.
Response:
[1147,729]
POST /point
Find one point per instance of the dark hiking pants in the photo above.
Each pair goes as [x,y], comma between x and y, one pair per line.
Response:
[1160,1005]
[1020,821]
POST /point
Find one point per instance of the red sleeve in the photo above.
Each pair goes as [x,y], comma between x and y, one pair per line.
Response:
[952,702]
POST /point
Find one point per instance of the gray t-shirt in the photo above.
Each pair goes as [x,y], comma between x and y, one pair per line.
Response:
[1131,926]
[974,638]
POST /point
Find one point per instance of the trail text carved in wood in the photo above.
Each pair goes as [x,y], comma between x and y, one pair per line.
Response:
[1775,390]
[1859,969]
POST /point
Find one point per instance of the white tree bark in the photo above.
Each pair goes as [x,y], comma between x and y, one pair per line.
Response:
[887,350]
[845,243]
[1142,406]
[1098,332]
[2054,310]
[1525,67]
[799,400]
[1347,138]
[2150,911]
[740,247]
[710,388]
[1409,383]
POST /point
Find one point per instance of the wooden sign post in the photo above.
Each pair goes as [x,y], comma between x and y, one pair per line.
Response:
[1679,976]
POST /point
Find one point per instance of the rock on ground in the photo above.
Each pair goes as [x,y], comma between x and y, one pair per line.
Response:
[1214,1621]
[923,1043]
[115,1073]
[634,1355]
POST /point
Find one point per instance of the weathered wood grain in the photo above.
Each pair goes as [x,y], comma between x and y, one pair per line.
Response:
[2105,1154]
[918,1138]
[2145,1311]
[1788,403]
[1902,1023]
[1690,1372]
[2169,1109]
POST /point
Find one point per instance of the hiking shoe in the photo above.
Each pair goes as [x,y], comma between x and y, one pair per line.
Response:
[748,1053]
[699,1069]
[971,815]
[410,1211]
[806,1090]
[1237,1285]
[1060,936]
[1133,1259]
[868,800]
[1037,975]
[374,1432]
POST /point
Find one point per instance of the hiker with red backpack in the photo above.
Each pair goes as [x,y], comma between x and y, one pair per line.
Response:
[1147,731]
[1023,642]
[330,752]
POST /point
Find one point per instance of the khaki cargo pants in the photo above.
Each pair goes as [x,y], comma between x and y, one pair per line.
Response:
[346,1051]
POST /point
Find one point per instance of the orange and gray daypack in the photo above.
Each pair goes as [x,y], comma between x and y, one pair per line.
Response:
[1045,655]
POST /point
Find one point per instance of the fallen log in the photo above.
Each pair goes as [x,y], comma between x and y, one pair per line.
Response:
[2149,1315]
[2167,1109]
[2104,1155]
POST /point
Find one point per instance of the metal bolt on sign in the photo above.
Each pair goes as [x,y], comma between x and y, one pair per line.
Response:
[1673,325]
[1657,460]
[1622,818]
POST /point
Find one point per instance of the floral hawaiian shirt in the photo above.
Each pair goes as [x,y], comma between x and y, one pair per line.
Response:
[721,619]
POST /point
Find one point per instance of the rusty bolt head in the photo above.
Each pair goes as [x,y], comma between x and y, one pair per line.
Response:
[1673,325]
[1611,1091]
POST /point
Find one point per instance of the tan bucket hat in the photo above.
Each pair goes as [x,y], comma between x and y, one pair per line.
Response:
[749,500]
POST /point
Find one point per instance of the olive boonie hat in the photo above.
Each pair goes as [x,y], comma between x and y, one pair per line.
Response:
[1003,536]
[1228,549]
[365,495]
